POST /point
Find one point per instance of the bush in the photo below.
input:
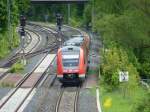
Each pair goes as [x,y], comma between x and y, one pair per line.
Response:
[75,23]
[115,60]
[145,69]
[143,106]
[4,45]
[17,67]
[6,84]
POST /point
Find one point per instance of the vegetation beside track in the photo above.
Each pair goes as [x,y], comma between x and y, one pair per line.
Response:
[118,101]
[6,84]
[124,27]
[9,38]
[17,67]
[5,45]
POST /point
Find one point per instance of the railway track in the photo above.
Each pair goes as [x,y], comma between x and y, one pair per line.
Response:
[68,100]
[50,29]
[4,104]
[32,51]
[28,50]
[18,55]
[63,97]
[9,99]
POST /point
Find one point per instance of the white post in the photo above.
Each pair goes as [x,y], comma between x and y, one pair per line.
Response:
[23,50]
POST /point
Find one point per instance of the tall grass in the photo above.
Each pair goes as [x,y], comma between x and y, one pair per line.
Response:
[7,43]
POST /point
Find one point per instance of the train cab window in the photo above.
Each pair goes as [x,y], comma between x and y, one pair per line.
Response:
[70,60]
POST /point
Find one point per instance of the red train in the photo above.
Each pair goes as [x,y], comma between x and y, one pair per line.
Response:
[72,59]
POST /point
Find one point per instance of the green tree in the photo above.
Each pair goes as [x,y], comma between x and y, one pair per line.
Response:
[116,60]
[15,7]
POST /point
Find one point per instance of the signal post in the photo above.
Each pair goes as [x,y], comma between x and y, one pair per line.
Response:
[22,37]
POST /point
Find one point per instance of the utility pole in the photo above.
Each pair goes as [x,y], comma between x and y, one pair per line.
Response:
[22,36]
[69,13]
[9,23]
[93,14]
[59,20]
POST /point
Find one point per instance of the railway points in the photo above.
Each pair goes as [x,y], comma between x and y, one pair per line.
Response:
[26,87]
[43,105]
[39,70]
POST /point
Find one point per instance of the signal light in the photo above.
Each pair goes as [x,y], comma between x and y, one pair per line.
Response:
[22,20]
[59,20]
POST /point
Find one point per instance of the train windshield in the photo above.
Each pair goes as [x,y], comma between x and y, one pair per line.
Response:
[70,60]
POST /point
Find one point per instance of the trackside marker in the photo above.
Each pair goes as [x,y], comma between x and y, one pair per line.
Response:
[98,100]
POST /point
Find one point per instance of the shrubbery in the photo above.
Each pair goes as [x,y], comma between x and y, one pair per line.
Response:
[115,60]
[124,27]
[9,40]
[4,45]
[143,106]
[17,67]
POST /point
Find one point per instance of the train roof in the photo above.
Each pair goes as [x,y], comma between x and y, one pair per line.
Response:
[70,49]
[76,41]
[77,36]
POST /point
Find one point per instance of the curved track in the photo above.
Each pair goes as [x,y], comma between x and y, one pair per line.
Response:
[28,49]
[23,80]
[32,50]
[62,101]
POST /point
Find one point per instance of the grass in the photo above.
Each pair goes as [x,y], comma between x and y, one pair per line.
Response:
[117,102]
[17,67]
[6,84]
[5,45]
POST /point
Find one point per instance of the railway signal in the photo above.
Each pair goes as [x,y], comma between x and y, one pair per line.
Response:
[22,21]
[22,36]
[59,20]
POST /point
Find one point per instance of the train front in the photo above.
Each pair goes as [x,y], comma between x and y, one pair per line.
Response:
[70,64]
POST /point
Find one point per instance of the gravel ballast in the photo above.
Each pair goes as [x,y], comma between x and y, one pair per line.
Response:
[87,101]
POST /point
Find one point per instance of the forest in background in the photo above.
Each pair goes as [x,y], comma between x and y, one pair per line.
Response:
[47,13]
